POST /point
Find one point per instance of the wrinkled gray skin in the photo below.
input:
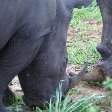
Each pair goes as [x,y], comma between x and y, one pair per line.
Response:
[33,44]
[105,47]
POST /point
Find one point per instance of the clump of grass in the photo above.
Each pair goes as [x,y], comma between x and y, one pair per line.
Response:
[17,104]
[82,104]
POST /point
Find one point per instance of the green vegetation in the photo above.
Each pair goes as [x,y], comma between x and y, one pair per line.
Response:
[17,104]
[86,23]
[68,105]
[91,13]
[108,85]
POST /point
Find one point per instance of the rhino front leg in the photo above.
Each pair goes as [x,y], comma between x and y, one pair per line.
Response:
[17,55]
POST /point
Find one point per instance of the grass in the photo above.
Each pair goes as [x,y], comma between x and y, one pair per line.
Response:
[86,22]
[80,105]
[17,105]
[91,13]
[108,84]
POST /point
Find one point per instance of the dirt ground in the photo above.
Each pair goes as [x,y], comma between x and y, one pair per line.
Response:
[85,88]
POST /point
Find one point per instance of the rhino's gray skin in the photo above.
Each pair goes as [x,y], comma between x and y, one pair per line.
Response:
[105,47]
[33,44]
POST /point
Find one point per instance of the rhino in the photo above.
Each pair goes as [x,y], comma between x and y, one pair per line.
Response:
[105,47]
[33,37]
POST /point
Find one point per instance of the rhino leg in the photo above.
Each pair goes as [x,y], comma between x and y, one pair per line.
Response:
[9,97]
[16,56]
[30,97]
[26,84]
